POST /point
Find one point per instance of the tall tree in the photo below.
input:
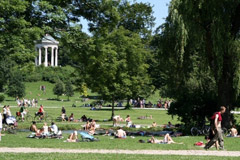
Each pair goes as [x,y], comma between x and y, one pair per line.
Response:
[58,89]
[204,46]
[116,66]
[69,90]
[16,87]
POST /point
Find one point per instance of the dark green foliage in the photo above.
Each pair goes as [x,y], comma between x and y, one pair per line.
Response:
[51,74]
[58,89]
[16,87]
[2,98]
[199,53]
[69,89]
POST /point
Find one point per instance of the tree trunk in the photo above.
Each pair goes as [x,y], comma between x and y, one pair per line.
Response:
[226,90]
[112,108]
[224,99]
[225,82]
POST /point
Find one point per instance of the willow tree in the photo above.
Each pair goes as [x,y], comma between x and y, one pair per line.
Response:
[204,42]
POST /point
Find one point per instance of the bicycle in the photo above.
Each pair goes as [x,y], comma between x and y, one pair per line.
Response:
[46,117]
[204,130]
[27,117]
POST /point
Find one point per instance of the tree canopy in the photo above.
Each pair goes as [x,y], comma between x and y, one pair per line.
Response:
[199,49]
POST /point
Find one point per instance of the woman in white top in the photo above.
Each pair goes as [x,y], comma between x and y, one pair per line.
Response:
[9,114]
[45,129]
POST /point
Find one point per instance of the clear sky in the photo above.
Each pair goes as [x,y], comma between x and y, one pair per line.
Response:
[160,9]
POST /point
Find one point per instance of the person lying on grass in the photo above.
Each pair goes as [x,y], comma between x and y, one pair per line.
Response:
[167,140]
[120,133]
[73,137]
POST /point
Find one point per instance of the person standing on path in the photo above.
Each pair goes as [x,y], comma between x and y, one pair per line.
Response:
[216,129]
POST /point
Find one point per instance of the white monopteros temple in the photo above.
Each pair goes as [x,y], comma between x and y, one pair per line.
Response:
[46,43]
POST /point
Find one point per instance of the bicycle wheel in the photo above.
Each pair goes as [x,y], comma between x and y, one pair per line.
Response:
[37,119]
[206,130]
[48,119]
[29,118]
[12,130]
[194,131]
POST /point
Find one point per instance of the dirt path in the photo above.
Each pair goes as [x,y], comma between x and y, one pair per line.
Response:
[104,151]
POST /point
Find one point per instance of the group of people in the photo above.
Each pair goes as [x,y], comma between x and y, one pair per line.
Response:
[46,131]
[27,102]
[90,127]
[117,119]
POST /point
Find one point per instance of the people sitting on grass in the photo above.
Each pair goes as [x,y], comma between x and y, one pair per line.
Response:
[154,124]
[87,126]
[92,128]
[233,132]
[128,121]
[71,118]
[45,130]
[120,133]
[84,118]
[63,114]
[116,120]
[166,140]
[169,125]
[73,137]
[54,128]
[34,129]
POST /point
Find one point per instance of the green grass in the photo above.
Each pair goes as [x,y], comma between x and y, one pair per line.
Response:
[53,107]
[159,116]
[107,142]
[64,156]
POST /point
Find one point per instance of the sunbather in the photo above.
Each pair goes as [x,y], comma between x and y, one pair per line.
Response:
[73,137]
[167,140]
[120,133]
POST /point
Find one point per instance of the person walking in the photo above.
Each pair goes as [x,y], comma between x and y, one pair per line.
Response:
[216,129]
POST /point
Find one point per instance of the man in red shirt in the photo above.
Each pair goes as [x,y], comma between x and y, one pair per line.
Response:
[41,111]
[216,128]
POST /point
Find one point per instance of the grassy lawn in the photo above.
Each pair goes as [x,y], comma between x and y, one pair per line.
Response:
[64,156]
[159,116]
[108,142]
[53,107]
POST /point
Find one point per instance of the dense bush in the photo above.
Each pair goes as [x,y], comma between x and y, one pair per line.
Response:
[2,98]
[51,74]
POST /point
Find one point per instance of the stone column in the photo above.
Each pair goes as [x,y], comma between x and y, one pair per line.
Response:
[56,57]
[46,57]
[52,57]
[36,59]
[40,56]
